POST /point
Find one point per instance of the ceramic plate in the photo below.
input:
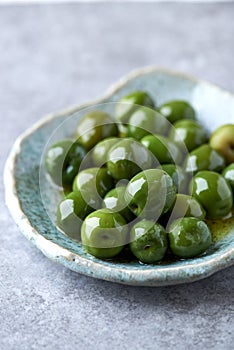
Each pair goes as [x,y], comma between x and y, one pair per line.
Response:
[214,107]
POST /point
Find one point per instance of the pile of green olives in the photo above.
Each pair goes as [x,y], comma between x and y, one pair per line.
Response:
[144,182]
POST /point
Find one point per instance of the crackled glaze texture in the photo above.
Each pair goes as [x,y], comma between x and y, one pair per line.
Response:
[214,107]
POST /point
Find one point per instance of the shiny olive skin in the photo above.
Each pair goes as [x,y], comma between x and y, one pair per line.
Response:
[63,160]
[228,174]
[129,103]
[70,214]
[188,132]
[115,201]
[204,158]
[127,158]
[100,151]
[94,127]
[93,184]
[177,110]
[213,192]
[148,241]
[222,140]
[104,233]
[189,237]
[145,121]
[163,149]
[178,176]
[187,206]
[150,193]
[123,130]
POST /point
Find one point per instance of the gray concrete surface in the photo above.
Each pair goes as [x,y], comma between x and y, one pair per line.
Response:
[55,56]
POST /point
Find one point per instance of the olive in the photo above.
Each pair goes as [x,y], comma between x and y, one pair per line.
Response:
[145,121]
[100,151]
[222,140]
[93,184]
[178,176]
[177,110]
[189,237]
[164,150]
[127,158]
[150,193]
[63,160]
[104,233]
[228,174]
[204,158]
[123,130]
[115,201]
[148,241]
[188,132]
[94,127]
[187,206]
[129,103]
[213,192]
[70,214]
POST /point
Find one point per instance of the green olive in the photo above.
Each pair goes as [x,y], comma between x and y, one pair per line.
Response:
[127,158]
[204,158]
[148,241]
[94,127]
[145,121]
[189,237]
[150,193]
[188,132]
[222,140]
[101,150]
[63,160]
[228,174]
[129,103]
[70,214]
[93,184]
[115,201]
[187,206]
[123,130]
[177,110]
[178,176]
[104,233]
[213,192]
[163,149]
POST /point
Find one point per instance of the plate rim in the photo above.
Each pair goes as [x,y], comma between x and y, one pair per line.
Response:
[55,252]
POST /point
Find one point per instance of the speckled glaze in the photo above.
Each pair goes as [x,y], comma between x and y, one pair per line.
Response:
[214,107]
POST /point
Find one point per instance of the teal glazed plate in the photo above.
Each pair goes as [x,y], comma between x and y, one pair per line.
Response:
[24,199]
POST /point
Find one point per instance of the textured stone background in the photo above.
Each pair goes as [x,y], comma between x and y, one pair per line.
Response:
[55,56]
